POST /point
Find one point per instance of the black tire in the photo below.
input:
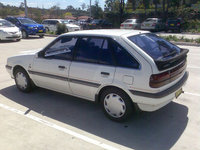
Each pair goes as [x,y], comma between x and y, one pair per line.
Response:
[24,34]
[128,105]
[47,29]
[17,40]
[41,36]
[28,86]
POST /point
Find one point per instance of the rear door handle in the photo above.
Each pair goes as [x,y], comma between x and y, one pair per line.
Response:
[105,73]
[61,67]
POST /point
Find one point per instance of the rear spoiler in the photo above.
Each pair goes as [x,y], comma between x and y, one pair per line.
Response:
[165,64]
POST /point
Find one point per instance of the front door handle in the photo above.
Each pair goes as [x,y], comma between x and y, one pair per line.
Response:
[105,73]
[61,67]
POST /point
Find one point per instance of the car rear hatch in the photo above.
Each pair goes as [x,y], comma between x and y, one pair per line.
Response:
[169,59]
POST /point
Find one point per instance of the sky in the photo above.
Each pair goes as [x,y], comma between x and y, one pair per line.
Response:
[49,3]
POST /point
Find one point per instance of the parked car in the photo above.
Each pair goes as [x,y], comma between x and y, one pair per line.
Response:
[153,24]
[51,25]
[9,31]
[99,24]
[131,24]
[174,24]
[27,26]
[123,70]
[70,26]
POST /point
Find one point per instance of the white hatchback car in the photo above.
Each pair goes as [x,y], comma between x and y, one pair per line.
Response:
[9,31]
[51,25]
[122,69]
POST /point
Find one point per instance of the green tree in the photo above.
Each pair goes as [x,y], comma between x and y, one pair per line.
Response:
[96,10]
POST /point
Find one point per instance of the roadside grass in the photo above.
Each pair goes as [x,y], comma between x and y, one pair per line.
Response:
[180,39]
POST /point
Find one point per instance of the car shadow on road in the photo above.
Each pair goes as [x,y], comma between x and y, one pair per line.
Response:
[153,131]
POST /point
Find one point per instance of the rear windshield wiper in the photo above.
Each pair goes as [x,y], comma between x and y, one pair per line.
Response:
[170,54]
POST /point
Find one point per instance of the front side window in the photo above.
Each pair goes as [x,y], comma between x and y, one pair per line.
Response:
[61,49]
[94,50]
[123,58]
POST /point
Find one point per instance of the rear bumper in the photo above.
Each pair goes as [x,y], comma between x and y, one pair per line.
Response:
[154,101]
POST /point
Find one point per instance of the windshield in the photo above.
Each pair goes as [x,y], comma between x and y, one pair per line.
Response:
[96,21]
[154,46]
[5,23]
[65,21]
[27,21]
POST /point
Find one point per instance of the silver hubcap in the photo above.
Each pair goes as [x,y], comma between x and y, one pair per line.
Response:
[21,80]
[114,105]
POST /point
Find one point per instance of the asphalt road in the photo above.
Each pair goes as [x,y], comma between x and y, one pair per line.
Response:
[46,120]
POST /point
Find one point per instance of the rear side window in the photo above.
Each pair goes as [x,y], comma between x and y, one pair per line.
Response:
[123,58]
[154,46]
[94,50]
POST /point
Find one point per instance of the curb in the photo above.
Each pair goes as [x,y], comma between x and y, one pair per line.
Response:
[51,35]
[186,43]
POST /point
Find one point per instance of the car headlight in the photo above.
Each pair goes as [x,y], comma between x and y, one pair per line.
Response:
[1,31]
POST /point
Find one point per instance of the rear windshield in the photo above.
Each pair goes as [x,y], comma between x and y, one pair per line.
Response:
[150,20]
[130,21]
[154,46]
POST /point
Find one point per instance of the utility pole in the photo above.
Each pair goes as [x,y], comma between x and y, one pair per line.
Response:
[26,10]
[90,9]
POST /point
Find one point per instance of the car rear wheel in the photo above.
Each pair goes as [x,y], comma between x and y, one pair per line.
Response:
[24,34]
[116,104]
[41,36]
[22,80]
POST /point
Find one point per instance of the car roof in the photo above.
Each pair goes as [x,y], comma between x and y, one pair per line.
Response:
[107,32]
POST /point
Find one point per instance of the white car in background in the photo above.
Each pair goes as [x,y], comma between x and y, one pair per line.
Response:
[51,25]
[123,70]
[9,31]
[131,24]
[153,24]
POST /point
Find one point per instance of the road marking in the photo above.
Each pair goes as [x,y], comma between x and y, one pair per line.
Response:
[194,94]
[65,130]
[193,67]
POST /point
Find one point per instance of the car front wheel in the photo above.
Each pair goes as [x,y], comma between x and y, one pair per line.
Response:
[24,34]
[116,104]
[22,80]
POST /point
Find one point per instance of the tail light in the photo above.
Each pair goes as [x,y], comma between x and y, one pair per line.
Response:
[161,79]
[154,24]
[121,25]
[166,23]
[178,24]
[130,25]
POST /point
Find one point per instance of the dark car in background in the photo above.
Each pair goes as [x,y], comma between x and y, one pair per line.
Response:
[174,24]
[27,26]
[99,24]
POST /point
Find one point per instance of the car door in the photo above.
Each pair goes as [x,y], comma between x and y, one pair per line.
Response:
[51,68]
[91,67]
